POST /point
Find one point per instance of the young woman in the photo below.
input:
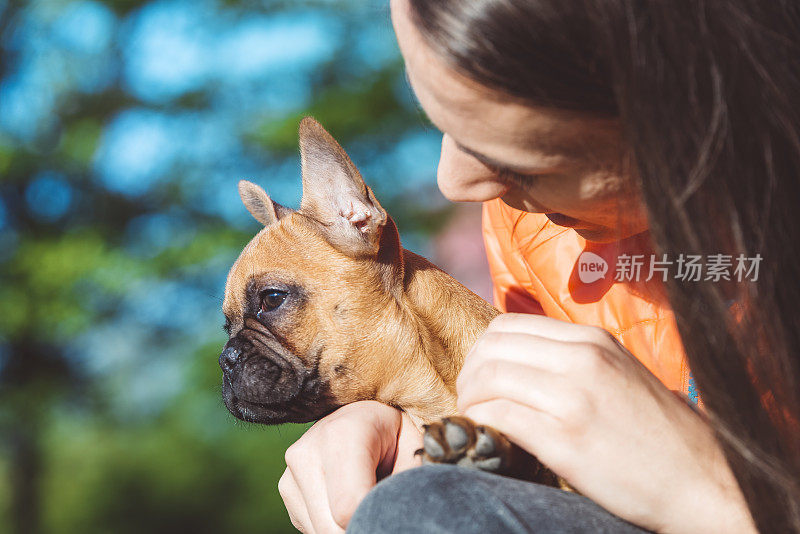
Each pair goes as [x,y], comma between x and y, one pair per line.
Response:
[616,128]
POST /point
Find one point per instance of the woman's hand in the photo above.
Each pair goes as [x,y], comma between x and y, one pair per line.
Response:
[338,460]
[590,411]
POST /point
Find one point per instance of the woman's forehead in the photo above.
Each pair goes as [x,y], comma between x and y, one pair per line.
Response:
[484,120]
[515,134]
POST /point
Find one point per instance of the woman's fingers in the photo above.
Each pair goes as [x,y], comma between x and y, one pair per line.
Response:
[530,429]
[348,475]
[409,440]
[547,327]
[545,354]
[307,473]
[293,500]
[532,377]
[494,378]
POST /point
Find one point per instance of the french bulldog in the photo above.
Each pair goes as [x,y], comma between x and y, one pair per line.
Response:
[324,307]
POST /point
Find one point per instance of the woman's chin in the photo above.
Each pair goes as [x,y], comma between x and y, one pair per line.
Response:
[590,232]
[602,234]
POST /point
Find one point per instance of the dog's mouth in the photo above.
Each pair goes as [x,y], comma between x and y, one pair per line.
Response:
[265,382]
[311,404]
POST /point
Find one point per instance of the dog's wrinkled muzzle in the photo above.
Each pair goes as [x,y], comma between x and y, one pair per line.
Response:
[258,376]
[264,383]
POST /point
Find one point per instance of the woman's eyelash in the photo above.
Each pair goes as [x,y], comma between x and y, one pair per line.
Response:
[515,177]
[505,174]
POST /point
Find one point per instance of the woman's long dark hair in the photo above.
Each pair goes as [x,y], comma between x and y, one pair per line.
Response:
[708,97]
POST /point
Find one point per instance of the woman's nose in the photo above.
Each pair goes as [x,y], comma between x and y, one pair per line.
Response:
[462,178]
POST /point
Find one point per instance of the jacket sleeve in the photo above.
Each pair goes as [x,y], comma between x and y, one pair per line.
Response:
[505,264]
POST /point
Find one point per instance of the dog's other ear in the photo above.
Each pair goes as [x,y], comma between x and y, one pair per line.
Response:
[261,207]
[335,194]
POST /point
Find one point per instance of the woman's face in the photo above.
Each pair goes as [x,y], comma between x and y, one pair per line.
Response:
[570,166]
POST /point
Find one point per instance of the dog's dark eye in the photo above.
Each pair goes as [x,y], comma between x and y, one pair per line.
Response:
[271,299]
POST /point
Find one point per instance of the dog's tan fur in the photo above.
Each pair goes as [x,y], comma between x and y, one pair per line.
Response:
[424,321]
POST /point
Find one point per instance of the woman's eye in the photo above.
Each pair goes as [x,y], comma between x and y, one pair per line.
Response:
[521,180]
[271,299]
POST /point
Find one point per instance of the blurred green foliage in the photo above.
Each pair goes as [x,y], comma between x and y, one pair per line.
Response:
[119,219]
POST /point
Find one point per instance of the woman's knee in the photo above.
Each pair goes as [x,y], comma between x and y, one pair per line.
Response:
[432,498]
[446,498]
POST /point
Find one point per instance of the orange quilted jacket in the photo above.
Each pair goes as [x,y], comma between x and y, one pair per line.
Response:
[538,267]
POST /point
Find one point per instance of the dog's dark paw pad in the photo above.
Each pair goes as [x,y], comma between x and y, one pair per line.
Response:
[456,435]
[431,446]
[492,465]
[484,443]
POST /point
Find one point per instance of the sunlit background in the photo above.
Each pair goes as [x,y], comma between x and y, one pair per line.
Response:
[124,127]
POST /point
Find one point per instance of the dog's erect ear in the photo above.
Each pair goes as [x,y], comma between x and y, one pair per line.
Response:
[335,194]
[261,207]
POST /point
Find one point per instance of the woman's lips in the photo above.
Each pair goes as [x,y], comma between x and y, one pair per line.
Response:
[525,203]
[587,231]
[562,220]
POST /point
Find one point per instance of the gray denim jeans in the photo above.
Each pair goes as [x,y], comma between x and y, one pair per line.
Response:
[448,499]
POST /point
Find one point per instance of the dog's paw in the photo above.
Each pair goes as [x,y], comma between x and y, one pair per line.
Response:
[458,440]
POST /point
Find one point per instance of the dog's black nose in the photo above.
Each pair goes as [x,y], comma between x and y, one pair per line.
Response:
[228,359]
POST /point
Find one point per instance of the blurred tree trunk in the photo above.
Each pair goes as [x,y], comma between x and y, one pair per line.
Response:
[30,384]
[26,467]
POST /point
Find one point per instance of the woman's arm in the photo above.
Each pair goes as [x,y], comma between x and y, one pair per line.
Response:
[588,409]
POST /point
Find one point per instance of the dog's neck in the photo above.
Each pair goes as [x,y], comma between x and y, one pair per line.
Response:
[448,319]
[454,315]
